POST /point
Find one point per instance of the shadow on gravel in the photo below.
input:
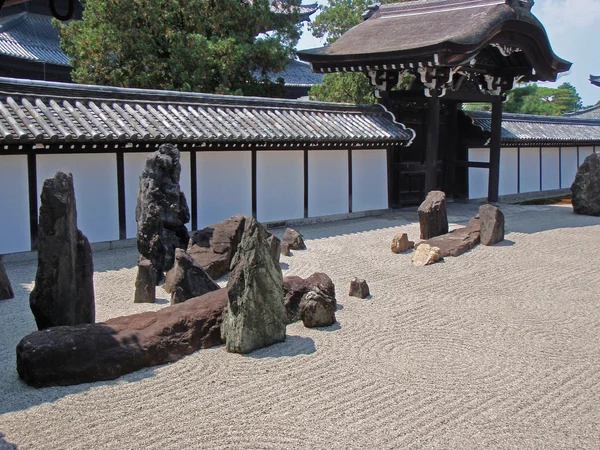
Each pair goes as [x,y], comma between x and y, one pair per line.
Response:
[292,346]
[548,218]
[4,445]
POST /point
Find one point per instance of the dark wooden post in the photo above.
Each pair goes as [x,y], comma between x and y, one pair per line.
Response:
[33,196]
[121,194]
[433,141]
[451,150]
[494,175]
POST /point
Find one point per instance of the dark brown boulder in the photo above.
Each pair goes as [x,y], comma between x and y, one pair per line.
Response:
[6,291]
[317,309]
[295,288]
[457,241]
[145,282]
[586,187]
[64,285]
[433,218]
[492,225]
[359,288]
[293,240]
[214,246]
[161,211]
[189,279]
[104,351]
[255,316]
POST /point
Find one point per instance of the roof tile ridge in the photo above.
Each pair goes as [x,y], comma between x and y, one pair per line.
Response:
[11,23]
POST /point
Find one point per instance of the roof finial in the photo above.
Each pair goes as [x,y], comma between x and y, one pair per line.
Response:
[521,3]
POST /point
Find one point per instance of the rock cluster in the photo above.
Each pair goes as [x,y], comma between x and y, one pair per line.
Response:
[586,187]
[359,288]
[433,218]
[104,351]
[161,210]
[189,279]
[64,286]
[401,244]
[255,316]
[295,288]
[6,291]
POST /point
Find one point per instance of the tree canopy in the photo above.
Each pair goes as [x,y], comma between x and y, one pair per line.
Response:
[189,45]
[540,100]
[333,21]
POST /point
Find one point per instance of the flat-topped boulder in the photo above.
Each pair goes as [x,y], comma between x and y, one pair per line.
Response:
[433,218]
[64,282]
[457,241]
[6,291]
[85,353]
[586,187]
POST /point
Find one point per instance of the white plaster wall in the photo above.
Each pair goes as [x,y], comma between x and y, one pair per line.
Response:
[327,182]
[478,177]
[550,168]
[509,161]
[279,185]
[95,181]
[369,180]
[584,152]
[133,165]
[568,166]
[14,204]
[224,185]
[530,169]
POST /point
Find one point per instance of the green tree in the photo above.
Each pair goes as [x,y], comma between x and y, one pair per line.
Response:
[188,45]
[333,21]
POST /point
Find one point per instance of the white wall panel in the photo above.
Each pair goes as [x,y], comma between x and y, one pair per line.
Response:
[530,169]
[369,180]
[479,154]
[279,185]
[550,168]
[509,162]
[327,182]
[584,152]
[95,180]
[224,185]
[478,177]
[134,164]
[14,203]
[568,166]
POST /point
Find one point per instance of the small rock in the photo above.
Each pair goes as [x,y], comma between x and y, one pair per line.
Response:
[492,225]
[293,239]
[189,279]
[426,255]
[295,288]
[275,245]
[586,187]
[285,249]
[433,217]
[6,291]
[400,243]
[255,316]
[359,288]
[317,309]
[145,282]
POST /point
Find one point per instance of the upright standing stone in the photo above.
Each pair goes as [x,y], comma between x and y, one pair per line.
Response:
[359,288]
[64,285]
[586,187]
[491,222]
[6,291]
[145,283]
[189,279]
[275,245]
[433,218]
[255,316]
[161,210]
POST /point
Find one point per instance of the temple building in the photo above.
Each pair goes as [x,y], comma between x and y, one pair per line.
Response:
[457,51]
[595,80]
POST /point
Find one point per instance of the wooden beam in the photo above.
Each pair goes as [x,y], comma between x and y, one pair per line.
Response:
[433,141]
[494,175]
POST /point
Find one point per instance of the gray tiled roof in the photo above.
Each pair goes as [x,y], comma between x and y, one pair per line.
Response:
[589,113]
[297,73]
[530,129]
[32,37]
[44,112]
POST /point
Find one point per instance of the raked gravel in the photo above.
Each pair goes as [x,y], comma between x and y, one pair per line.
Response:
[498,348]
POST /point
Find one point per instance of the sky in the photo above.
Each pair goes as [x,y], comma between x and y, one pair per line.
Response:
[573,27]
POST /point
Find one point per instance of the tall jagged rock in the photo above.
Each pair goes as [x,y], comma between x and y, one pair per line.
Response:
[433,218]
[64,286]
[162,210]
[189,279]
[6,291]
[586,187]
[255,316]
